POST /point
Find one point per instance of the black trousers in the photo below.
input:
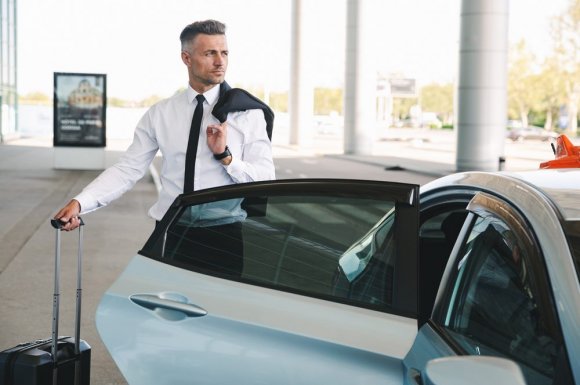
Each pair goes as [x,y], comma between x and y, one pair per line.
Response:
[214,249]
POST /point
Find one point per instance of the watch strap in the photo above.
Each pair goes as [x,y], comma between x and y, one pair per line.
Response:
[223,155]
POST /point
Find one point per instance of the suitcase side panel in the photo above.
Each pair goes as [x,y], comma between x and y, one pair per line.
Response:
[33,365]
[8,358]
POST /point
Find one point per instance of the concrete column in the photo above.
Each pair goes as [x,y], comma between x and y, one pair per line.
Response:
[482,87]
[360,80]
[301,96]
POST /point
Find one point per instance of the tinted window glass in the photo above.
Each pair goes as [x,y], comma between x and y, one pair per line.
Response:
[496,307]
[438,233]
[572,230]
[334,247]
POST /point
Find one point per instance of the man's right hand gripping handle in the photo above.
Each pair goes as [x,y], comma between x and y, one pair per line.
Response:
[68,216]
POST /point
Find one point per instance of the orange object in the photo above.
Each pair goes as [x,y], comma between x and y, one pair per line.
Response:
[567,155]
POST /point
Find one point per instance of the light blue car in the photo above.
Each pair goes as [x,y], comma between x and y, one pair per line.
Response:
[472,279]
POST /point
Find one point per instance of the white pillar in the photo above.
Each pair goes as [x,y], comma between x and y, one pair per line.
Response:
[360,80]
[301,95]
[482,88]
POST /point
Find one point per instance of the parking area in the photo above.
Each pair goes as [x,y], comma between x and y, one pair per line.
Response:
[32,190]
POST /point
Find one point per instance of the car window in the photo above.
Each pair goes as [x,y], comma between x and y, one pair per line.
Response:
[438,233]
[499,302]
[572,231]
[342,247]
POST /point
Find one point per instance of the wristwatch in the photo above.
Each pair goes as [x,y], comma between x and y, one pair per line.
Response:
[223,155]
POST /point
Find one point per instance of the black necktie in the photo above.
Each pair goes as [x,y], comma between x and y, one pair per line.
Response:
[192,145]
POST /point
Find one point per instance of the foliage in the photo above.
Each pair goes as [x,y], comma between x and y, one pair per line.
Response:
[551,84]
[566,33]
[279,101]
[328,100]
[438,98]
[116,102]
[402,107]
[540,92]
[149,101]
[520,85]
[35,98]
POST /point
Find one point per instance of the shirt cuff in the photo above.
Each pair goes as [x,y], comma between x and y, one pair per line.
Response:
[235,166]
[87,202]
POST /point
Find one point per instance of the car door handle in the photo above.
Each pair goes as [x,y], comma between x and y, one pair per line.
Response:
[153,302]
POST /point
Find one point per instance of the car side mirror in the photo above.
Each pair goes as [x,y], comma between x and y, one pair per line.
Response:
[475,370]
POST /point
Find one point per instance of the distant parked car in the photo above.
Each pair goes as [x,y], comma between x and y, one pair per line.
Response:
[511,124]
[533,133]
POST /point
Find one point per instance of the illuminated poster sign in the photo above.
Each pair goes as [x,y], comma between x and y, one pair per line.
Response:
[80,104]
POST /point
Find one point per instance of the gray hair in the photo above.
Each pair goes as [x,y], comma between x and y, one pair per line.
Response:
[206,27]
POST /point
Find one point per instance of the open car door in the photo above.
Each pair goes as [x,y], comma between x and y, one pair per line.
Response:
[279,282]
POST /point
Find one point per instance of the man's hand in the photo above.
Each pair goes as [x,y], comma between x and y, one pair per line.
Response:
[69,215]
[217,135]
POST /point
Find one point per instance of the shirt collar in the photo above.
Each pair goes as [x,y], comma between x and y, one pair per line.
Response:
[211,96]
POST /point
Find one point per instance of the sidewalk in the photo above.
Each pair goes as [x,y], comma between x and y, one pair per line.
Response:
[31,191]
[431,152]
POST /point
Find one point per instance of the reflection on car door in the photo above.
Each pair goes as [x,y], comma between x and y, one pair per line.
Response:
[316,283]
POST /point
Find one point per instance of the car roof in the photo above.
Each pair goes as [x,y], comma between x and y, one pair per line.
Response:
[560,186]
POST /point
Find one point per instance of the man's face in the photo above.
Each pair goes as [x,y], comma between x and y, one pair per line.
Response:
[206,58]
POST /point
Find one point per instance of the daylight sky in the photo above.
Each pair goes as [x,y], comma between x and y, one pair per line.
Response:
[136,42]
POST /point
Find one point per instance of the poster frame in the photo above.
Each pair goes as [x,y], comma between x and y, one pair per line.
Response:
[80,115]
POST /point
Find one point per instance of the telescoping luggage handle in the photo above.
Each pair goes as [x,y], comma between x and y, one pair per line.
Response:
[56,297]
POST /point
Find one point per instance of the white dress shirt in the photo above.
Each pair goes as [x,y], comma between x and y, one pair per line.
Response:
[165,127]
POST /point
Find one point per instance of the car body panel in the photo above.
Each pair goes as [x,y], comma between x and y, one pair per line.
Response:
[427,345]
[254,334]
[560,185]
[309,333]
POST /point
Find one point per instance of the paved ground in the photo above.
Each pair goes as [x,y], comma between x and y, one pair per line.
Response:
[32,190]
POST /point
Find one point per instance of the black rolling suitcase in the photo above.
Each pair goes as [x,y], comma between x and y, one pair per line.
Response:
[57,360]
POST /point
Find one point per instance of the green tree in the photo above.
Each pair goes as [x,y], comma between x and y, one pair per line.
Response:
[116,102]
[521,89]
[566,33]
[279,101]
[149,101]
[35,98]
[551,84]
[328,100]
[438,98]
[401,107]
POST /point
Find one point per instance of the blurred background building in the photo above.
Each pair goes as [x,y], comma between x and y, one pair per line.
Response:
[305,65]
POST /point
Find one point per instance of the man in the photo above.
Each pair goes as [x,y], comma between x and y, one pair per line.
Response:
[237,150]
